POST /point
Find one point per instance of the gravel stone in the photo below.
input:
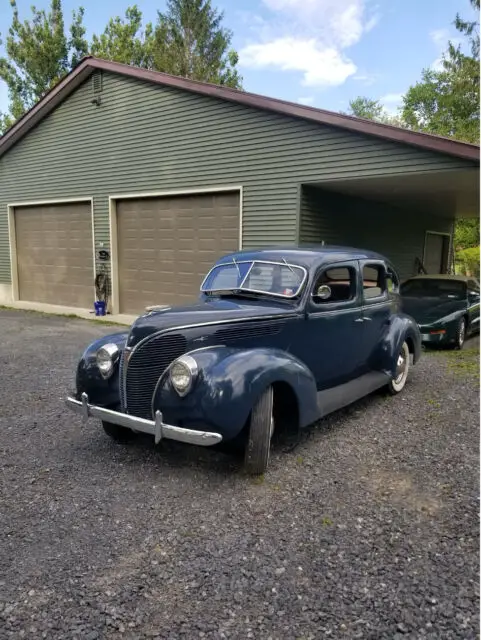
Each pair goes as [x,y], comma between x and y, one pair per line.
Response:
[368,528]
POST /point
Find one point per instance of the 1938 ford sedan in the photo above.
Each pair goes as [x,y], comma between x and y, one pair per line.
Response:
[278,338]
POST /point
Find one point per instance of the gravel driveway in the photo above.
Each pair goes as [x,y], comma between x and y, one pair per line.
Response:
[367,529]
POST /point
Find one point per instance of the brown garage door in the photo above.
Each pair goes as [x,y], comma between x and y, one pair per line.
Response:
[166,245]
[55,254]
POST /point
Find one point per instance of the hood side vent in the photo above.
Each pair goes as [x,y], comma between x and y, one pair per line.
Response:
[245,331]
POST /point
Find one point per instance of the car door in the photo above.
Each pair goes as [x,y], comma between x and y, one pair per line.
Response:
[333,328]
[378,300]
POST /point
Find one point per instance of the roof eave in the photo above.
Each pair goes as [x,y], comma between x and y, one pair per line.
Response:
[66,86]
[42,108]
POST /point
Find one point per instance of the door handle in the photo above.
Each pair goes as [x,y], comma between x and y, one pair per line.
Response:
[359,320]
[367,319]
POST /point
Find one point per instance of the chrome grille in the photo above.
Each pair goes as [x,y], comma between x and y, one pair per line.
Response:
[145,366]
[121,381]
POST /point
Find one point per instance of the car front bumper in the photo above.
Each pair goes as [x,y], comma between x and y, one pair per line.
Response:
[156,427]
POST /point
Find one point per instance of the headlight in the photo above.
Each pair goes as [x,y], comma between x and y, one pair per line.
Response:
[183,373]
[107,356]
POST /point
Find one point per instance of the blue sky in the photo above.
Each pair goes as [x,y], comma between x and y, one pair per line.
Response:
[317,52]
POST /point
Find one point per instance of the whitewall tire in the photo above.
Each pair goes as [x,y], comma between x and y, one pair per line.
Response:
[398,382]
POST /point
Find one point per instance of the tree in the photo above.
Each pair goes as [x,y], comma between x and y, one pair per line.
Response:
[190,42]
[367,108]
[370,109]
[124,41]
[446,102]
[39,54]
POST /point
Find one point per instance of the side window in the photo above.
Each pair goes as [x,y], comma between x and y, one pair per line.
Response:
[473,286]
[392,281]
[337,284]
[374,281]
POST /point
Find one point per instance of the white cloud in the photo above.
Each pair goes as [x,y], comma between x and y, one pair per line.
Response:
[367,79]
[308,101]
[392,98]
[392,102]
[311,37]
[320,67]
[441,39]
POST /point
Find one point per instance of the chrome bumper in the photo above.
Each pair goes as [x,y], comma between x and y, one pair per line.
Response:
[156,427]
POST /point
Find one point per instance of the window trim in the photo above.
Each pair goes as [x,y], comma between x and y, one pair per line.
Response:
[354,302]
[384,297]
[252,262]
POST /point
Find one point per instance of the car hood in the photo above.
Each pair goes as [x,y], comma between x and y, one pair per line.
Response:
[428,310]
[205,311]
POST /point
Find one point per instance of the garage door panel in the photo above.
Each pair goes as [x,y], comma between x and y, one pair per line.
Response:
[54,254]
[166,245]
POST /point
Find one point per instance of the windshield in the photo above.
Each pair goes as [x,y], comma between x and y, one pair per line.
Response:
[272,278]
[432,287]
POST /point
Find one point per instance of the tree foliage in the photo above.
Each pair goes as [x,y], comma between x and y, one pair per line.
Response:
[39,54]
[187,40]
[446,101]
[124,40]
[190,42]
[370,109]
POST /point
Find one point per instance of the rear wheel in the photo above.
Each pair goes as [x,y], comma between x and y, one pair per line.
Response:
[460,334]
[120,434]
[396,385]
[261,428]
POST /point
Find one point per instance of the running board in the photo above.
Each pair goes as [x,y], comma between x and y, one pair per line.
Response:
[330,400]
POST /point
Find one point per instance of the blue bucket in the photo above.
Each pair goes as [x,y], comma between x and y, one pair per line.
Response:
[99,308]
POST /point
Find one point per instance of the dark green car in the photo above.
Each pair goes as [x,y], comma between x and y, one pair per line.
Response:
[446,307]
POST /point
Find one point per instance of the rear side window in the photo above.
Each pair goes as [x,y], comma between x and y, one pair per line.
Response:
[374,281]
[473,286]
[341,283]
[392,281]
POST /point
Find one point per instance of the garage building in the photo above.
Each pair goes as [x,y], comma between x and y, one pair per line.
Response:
[161,175]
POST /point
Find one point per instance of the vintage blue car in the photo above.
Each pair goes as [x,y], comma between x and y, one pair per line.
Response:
[446,307]
[278,339]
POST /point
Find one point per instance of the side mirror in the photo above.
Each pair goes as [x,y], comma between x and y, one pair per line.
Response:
[323,292]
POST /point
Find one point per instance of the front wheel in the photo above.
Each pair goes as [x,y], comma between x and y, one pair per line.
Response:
[261,428]
[460,334]
[396,385]
[120,434]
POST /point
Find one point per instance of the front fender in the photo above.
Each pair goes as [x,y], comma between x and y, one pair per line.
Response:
[401,328]
[228,384]
[88,379]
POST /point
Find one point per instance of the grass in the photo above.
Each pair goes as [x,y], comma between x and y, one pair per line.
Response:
[462,363]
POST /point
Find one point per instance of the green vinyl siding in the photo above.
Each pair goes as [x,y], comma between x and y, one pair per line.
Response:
[147,138]
[339,219]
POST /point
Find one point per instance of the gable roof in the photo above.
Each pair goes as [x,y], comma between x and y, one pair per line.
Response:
[90,64]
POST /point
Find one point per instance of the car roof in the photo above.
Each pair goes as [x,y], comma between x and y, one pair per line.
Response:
[307,256]
[443,276]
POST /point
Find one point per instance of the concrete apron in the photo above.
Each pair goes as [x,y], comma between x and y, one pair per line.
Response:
[86,314]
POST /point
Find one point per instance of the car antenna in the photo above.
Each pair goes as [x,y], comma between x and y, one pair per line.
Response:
[237,266]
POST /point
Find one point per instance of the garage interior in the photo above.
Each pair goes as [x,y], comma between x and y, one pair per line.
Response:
[408,218]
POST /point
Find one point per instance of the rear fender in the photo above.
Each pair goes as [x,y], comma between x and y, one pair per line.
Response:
[228,384]
[402,328]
